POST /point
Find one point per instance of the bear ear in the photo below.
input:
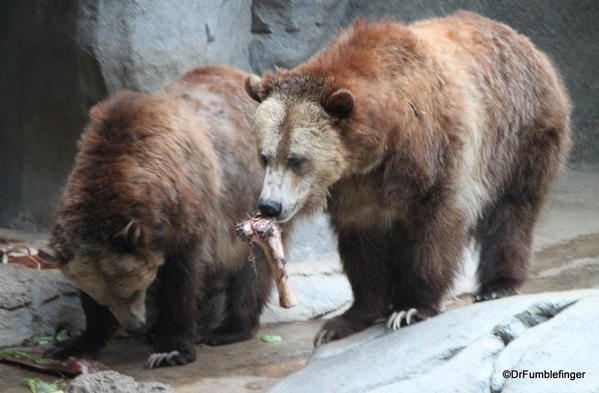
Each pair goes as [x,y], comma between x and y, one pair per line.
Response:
[339,103]
[98,112]
[253,86]
[134,234]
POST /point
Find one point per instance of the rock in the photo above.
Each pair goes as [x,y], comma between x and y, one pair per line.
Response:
[287,33]
[36,303]
[312,240]
[466,350]
[113,382]
[321,290]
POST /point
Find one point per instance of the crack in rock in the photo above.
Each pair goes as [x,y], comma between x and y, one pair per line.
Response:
[510,331]
[533,316]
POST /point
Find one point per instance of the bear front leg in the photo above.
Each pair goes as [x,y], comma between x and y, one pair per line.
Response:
[365,256]
[247,292]
[174,333]
[427,253]
[100,326]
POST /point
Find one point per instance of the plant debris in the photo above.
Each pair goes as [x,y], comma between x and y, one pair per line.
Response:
[23,255]
[61,336]
[26,356]
[36,385]
[71,367]
[271,339]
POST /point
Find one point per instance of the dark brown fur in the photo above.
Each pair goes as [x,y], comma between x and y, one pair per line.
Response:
[179,165]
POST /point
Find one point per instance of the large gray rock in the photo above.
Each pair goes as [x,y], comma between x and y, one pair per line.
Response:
[466,350]
[113,382]
[36,303]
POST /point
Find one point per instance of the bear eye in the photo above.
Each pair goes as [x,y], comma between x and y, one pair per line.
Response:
[263,159]
[295,162]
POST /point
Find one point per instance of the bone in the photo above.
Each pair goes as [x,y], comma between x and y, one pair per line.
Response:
[265,232]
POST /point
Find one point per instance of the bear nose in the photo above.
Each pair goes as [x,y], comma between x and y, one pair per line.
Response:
[270,208]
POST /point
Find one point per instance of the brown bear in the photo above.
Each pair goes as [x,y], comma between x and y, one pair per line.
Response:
[160,181]
[419,140]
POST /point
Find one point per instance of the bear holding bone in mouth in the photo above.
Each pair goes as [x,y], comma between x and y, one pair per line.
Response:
[419,140]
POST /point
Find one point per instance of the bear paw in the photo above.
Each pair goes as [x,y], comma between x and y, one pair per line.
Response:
[171,355]
[492,292]
[61,351]
[408,317]
[223,336]
[338,328]
[496,289]
[76,347]
[169,359]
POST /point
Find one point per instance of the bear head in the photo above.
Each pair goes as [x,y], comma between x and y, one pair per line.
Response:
[311,131]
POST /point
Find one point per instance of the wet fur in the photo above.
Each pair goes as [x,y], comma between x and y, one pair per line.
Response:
[459,125]
[180,165]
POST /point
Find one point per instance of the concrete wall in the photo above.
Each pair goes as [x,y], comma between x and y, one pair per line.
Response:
[59,57]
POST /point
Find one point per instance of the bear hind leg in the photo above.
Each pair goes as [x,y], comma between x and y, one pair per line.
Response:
[506,230]
[505,238]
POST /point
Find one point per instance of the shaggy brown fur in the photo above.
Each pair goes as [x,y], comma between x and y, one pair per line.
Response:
[418,139]
[159,183]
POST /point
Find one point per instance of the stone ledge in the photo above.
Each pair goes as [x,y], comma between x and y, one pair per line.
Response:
[466,350]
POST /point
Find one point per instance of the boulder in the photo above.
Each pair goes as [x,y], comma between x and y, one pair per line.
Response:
[468,350]
[36,303]
[113,382]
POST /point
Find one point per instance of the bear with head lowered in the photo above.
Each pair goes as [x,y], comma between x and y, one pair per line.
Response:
[159,182]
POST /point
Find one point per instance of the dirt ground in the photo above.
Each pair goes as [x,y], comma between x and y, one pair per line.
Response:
[566,257]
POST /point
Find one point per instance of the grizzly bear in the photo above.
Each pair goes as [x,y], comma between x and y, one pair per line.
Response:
[160,181]
[419,140]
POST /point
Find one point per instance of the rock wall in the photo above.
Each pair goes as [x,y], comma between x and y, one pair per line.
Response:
[58,58]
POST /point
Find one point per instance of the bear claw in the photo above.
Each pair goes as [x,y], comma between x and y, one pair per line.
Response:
[161,359]
[493,292]
[399,318]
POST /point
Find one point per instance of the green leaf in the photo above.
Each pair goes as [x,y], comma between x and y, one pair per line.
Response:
[63,335]
[271,339]
[41,360]
[36,385]
[17,354]
[34,358]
